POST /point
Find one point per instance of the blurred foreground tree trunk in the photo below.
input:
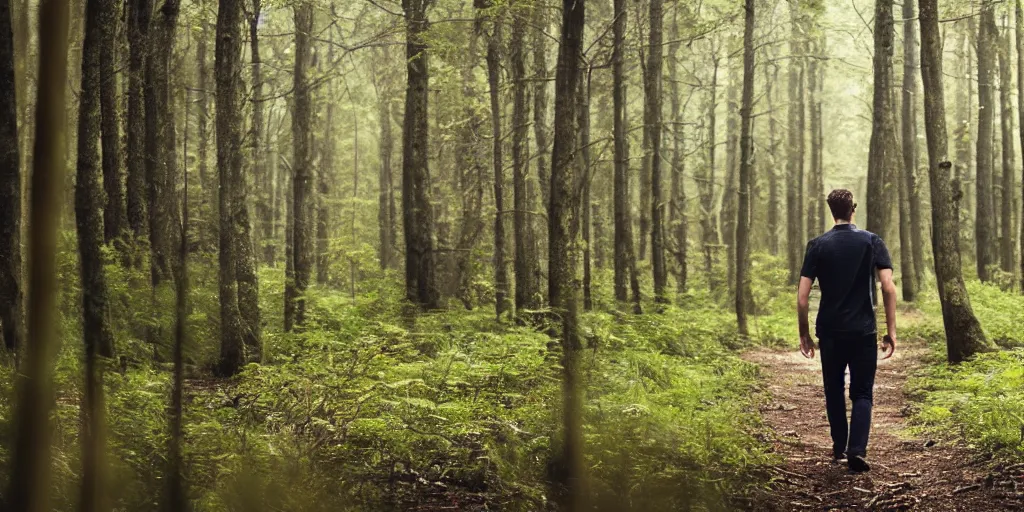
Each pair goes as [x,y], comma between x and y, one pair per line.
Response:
[11,329]
[563,233]
[964,336]
[29,487]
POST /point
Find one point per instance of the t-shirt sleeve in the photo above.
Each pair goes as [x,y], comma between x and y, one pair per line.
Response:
[881,253]
[810,267]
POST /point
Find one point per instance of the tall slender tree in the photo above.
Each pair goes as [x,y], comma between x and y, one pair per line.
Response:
[563,233]
[386,186]
[908,130]
[11,329]
[652,125]
[1019,11]
[140,12]
[625,260]
[417,214]
[494,82]
[527,292]
[583,114]
[302,143]
[881,153]
[964,336]
[743,292]
[794,145]
[115,215]
[89,222]
[984,227]
[677,213]
[245,254]
[227,72]
[1007,186]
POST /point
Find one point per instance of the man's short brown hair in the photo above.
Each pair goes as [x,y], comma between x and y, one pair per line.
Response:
[840,201]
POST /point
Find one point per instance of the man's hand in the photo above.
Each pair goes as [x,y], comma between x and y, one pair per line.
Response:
[889,346]
[807,346]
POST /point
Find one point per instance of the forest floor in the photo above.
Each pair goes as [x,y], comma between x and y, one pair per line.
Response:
[908,473]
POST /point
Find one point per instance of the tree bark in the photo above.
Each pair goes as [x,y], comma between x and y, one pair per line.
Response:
[984,228]
[794,151]
[208,207]
[29,486]
[386,186]
[115,215]
[11,328]
[493,80]
[227,72]
[1007,187]
[540,98]
[728,213]
[677,213]
[140,12]
[417,215]
[302,140]
[527,287]
[882,130]
[563,233]
[625,260]
[744,296]
[772,78]
[89,222]
[1019,11]
[816,176]
[653,149]
[964,336]
[245,254]
[260,169]
[908,125]
[583,113]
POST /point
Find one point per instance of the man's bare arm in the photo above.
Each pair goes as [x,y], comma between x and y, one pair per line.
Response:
[889,299]
[803,297]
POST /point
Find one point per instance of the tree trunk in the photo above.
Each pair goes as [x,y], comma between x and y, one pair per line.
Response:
[326,169]
[1008,188]
[625,261]
[677,213]
[227,72]
[984,228]
[583,113]
[1020,122]
[302,140]
[794,151]
[493,80]
[417,215]
[386,187]
[815,178]
[653,149]
[882,130]
[11,329]
[29,486]
[207,208]
[115,216]
[744,296]
[140,12]
[527,287]
[728,213]
[540,97]
[907,187]
[771,78]
[260,169]
[964,336]
[89,221]
[289,252]
[563,233]
[245,254]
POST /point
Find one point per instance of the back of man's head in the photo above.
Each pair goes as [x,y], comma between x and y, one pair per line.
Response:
[840,201]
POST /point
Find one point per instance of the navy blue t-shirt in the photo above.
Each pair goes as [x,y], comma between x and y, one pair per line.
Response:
[844,261]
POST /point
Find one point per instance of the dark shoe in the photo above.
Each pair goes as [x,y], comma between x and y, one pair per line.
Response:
[857,464]
[839,457]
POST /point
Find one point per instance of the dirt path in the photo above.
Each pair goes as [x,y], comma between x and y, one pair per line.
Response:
[907,474]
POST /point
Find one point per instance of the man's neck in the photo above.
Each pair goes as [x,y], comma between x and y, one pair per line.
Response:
[840,222]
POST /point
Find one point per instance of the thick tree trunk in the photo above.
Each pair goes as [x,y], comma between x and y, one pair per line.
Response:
[653,149]
[677,213]
[625,260]
[493,80]
[744,296]
[29,486]
[794,151]
[417,215]
[964,336]
[140,12]
[880,154]
[1008,189]
[563,233]
[302,140]
[89,222]
[527,287]
[227,72]
[11,328]
[115,216]
[984,227]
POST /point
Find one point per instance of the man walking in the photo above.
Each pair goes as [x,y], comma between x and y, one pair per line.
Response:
[846,261]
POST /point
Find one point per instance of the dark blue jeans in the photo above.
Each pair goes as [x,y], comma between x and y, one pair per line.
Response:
[860,355]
